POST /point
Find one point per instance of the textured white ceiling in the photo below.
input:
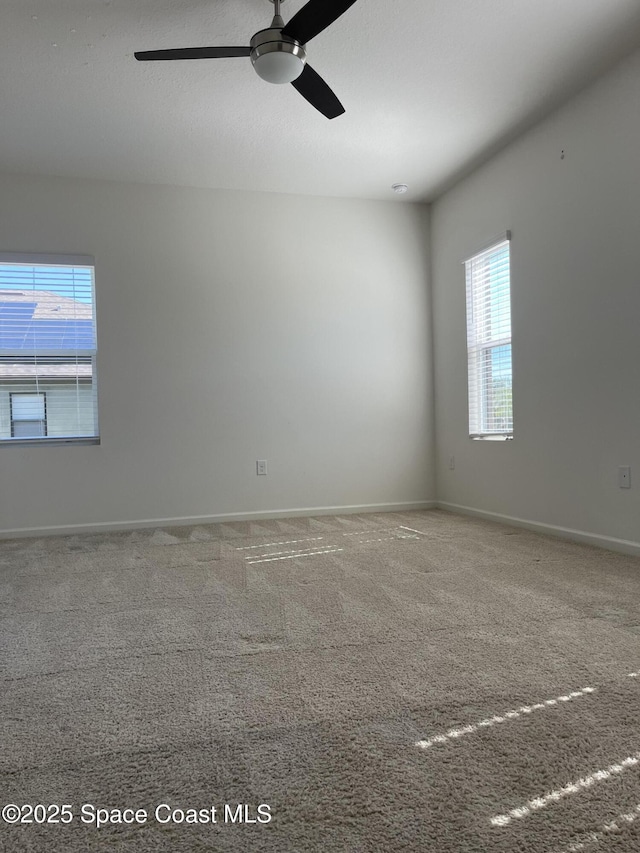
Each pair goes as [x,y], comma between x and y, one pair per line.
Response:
[429,86]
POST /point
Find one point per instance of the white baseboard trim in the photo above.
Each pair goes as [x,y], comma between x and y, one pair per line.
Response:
[624,546]
[115,526]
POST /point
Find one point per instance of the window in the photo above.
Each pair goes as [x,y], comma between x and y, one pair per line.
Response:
[47,349]
[489,342]
[28,415]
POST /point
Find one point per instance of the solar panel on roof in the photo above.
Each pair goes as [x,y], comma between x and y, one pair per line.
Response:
[17,310]
[58,335]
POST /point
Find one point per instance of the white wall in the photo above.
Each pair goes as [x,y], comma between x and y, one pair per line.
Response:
[232,327]
[575,317]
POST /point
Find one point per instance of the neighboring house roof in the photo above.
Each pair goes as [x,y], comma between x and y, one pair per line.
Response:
[32,320]
[70,371]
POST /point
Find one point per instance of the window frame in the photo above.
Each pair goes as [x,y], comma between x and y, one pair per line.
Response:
[479,349]
[35,259]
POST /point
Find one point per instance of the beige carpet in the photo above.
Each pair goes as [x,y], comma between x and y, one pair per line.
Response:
[393,682]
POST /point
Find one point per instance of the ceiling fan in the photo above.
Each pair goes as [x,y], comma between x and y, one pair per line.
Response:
[278,53]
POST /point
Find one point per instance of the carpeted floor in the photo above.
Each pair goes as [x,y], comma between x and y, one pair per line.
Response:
[412,681]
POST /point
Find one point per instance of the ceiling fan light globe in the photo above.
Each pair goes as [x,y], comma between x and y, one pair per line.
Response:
[276,58]
[278,66]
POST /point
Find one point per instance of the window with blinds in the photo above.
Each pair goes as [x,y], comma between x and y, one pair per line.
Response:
[489,342]
[48,390]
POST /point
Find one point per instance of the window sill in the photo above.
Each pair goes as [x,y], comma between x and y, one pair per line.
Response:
[505,437]
[41,442]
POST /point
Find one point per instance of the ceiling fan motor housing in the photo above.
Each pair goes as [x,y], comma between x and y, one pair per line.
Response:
[277,58]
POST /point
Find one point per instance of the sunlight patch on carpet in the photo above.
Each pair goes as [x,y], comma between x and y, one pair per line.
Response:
[371,530]
[274,544]
[581,784]
[617,825]
[293,556]
[327,548]
[455,733]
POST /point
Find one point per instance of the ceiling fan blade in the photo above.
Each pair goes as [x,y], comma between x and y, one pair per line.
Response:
[193,53]
[315,17]
[312,87]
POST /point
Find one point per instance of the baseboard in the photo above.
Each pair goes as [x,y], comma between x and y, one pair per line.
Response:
[115,526]
[624,546]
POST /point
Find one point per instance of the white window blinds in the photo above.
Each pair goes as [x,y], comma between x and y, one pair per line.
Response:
[47,349]
[489,342]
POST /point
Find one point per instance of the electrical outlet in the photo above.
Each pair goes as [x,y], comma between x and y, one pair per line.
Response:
[452,463]
[624,477]
[261,467]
